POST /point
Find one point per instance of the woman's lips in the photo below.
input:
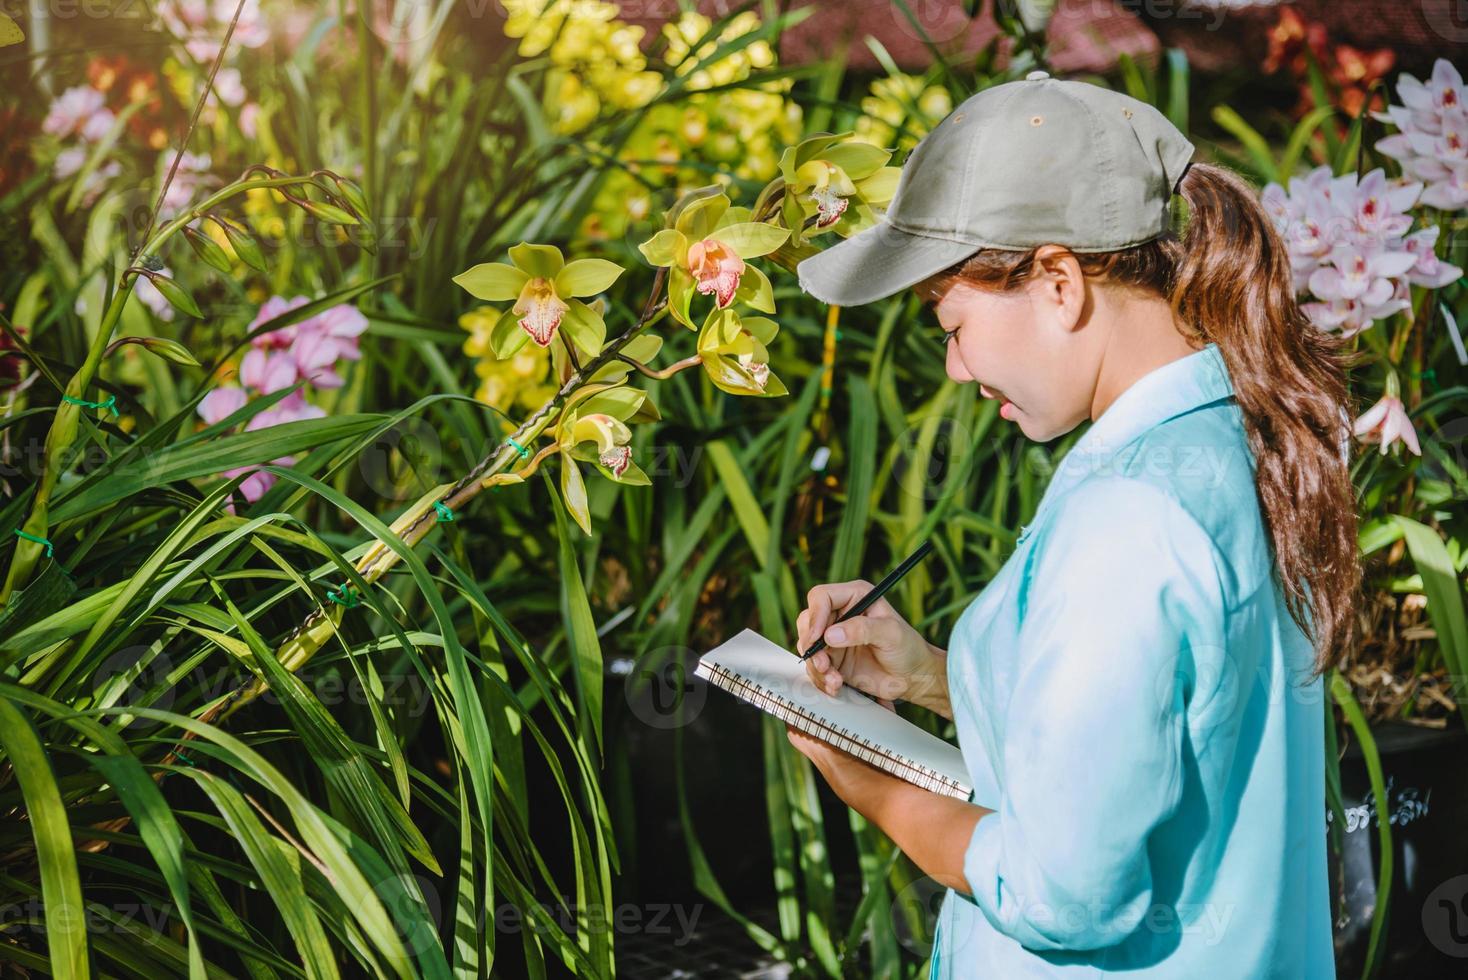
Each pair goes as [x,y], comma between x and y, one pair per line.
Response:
[1006,407]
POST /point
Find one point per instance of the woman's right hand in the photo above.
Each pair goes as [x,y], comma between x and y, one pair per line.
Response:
[878,651]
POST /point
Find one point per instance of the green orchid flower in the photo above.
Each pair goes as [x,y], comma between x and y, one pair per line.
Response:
[593,428]
[544,287]
[839,180]
[705,250]
[734,353]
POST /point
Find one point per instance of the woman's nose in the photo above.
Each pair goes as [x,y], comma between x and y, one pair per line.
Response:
[954,364]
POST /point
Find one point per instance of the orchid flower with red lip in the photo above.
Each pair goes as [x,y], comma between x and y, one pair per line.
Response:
[705,251]
[733,352]
[593,428]
[544,287]
[1431,141]
[839,180]
[1387,422]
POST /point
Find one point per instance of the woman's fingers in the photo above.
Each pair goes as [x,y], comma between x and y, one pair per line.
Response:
[826,602]
[863,631]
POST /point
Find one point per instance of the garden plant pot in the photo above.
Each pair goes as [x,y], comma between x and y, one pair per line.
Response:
[1427,794]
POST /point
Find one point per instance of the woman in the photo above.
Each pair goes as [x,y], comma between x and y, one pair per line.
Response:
[1137,692]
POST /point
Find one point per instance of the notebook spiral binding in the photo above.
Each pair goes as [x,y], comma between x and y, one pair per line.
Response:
[782,708]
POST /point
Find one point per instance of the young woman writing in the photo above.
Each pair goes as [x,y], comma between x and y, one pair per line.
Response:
[1137,692]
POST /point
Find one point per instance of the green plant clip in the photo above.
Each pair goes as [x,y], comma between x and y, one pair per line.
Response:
[1431,375]
[110,404]
[37,540]
[344,596]
[179,754]
[445,515]
[524,453]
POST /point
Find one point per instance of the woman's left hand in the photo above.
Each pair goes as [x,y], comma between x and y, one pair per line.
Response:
[858,783]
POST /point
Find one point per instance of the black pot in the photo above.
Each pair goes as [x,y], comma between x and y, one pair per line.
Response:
[1426,775]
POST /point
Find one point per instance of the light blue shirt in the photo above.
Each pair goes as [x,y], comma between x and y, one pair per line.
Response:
[1133,701]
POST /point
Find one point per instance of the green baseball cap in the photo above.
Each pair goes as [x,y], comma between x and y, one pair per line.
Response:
[1015,166]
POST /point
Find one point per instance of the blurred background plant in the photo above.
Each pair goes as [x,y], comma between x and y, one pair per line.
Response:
[474,703]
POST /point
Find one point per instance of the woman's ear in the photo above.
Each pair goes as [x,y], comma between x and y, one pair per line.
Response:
[1063,286]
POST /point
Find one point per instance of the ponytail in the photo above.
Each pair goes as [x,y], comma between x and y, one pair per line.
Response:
[1229,279]
[1233,285]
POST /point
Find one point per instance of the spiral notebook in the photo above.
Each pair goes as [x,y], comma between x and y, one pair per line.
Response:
[775,680]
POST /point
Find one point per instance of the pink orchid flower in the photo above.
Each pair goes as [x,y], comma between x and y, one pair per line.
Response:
[716,269]
[267,371]
[1387,422]
[1431,141]
[71,110]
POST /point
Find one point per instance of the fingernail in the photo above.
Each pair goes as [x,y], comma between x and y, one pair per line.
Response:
[836,635]
[822,661]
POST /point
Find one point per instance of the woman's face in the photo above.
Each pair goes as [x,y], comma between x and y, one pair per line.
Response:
[1023,347]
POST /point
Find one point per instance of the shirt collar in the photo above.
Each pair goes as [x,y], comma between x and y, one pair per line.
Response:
[1179,386]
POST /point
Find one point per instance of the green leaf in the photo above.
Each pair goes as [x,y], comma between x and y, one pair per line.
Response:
[1340,689]
[279,867]
[542,261]
[1254,143]
[187,462]
[208,249]
[1300,138]
[1444,596]
[586,277]
[176,295]
[158,829]
[61,890]
[747,507]
[1345,157]
[494,282]
[581,638]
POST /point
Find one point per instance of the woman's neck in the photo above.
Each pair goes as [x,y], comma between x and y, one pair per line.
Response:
[1145,335]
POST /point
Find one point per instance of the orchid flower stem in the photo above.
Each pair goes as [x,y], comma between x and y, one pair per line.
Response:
[529,470]
[663,374]
[412,526]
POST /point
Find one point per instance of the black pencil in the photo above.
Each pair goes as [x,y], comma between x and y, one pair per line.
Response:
[878,590]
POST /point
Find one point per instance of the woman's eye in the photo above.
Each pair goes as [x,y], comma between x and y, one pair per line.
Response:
[948,335]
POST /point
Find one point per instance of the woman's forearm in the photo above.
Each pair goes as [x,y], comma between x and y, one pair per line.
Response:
[932,829]
[930,689]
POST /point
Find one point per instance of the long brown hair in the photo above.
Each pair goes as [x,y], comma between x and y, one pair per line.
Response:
[1228,277]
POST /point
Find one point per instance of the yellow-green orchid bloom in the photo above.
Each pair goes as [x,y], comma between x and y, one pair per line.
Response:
[734,354]
[544,287]
[705,250]
[593,427]
[839,180]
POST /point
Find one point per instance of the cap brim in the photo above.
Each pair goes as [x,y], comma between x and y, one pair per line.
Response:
[875,263]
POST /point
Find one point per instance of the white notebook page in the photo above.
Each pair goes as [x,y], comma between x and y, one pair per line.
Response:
[782,675]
